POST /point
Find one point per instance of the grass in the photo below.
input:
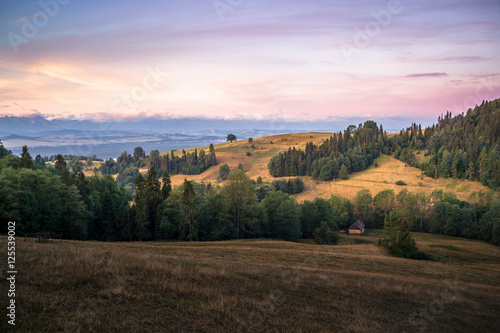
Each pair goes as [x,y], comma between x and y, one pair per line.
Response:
[375,179]
[255,285]
[384,177]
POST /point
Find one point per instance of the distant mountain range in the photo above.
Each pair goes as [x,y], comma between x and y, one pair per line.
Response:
[39,125]
[109,139]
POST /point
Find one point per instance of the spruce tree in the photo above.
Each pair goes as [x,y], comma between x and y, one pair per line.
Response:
[167,185]
[343,172]
[189,230]
[26,159]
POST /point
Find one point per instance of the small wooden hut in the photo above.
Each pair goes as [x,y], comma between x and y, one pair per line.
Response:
[358,228]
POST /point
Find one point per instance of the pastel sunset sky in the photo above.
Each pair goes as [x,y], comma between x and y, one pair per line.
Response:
[309,60]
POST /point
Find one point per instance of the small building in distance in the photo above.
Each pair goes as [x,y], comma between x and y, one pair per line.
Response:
[358,228]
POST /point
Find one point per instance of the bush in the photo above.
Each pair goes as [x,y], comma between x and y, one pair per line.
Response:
[323,235]
[292,186]
[248,153]
[224,171]
[375,164]
[400,182]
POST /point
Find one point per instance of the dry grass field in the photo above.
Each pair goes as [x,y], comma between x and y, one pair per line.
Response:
[374,178]
[255,165]
[385,176]
[255,286]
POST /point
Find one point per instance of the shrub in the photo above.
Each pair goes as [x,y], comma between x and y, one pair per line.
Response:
[375,164]
[248,153]
[224,171]
[292,186]
[323,235]
[400,182]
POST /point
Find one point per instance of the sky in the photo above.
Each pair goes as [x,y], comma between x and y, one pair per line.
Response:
[312,60]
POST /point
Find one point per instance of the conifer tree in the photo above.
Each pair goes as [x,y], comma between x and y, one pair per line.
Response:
[26,160]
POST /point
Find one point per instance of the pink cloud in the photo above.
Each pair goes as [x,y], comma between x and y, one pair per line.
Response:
[426,75]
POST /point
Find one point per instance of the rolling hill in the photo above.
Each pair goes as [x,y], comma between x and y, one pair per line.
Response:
[375,179]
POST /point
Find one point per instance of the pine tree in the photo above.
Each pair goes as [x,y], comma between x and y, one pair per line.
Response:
[152,194]
[61,168]
[39,162]
[141,212]
[26,160]
[167,185]
[397,238]
[3,150]
[189,230]
[343,172]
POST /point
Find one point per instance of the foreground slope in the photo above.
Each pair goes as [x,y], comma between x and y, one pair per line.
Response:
[256,285]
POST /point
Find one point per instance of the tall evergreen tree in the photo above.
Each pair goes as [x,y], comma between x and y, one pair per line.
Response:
[189,230]
[26,160]
[166,186]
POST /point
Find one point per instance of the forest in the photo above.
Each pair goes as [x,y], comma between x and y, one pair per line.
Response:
[127,166]
[466,146]
[55,199]
[341,154]
[61,199]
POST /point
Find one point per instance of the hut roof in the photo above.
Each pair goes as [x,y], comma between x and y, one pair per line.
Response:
[357,225]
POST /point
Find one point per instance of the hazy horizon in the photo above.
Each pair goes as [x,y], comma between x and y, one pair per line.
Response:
[316,61]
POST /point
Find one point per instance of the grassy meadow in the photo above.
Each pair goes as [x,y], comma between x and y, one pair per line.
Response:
[375,179]
[255,286]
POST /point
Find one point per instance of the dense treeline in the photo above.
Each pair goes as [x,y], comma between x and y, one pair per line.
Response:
[62,200]
[343,153]
[439,213]
[127,166]
[57,199]
[466,146]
